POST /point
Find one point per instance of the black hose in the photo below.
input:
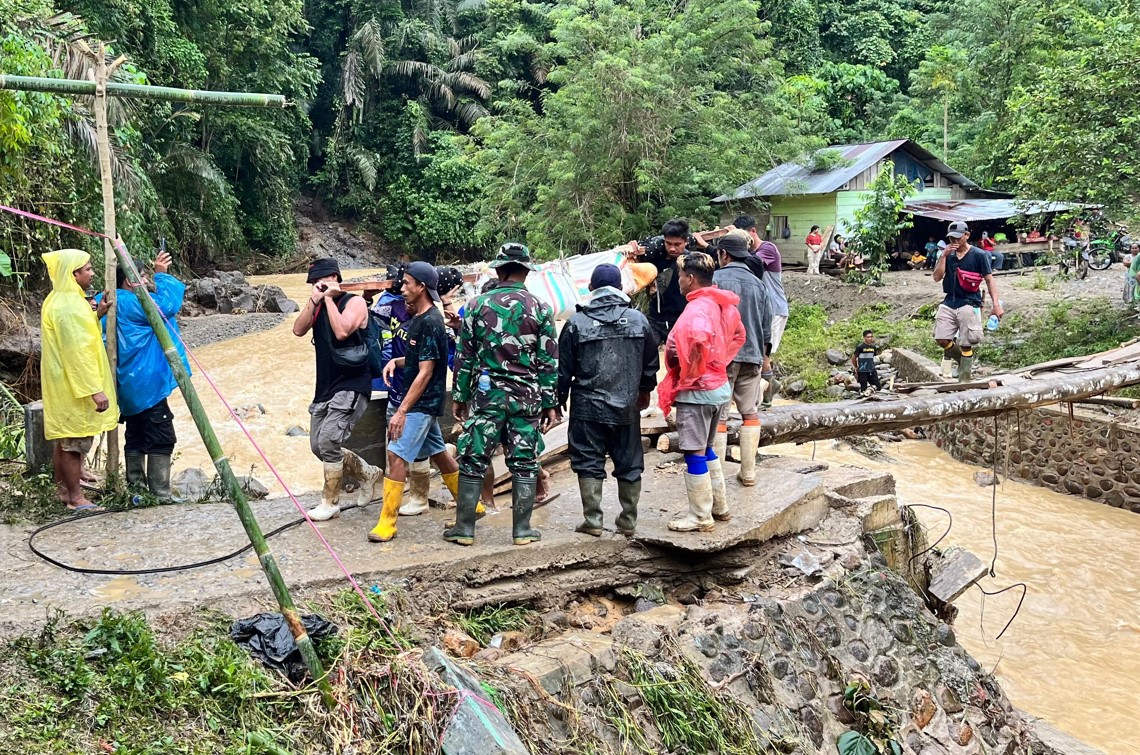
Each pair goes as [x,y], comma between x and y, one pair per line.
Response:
[158,570]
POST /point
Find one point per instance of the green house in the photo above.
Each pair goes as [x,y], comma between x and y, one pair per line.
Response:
[789,199]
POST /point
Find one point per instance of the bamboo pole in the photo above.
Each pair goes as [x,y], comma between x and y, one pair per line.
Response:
[233,488]
[141,92]
[804,422]
[103,145]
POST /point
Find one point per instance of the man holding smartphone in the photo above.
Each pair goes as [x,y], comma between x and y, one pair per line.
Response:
[962,269]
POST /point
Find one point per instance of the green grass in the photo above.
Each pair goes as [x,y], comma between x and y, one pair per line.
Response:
[810,333]
[1066,329]
[484,623]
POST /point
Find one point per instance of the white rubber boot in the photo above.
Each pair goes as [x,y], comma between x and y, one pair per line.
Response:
[749,445]
[720,445]
[698,488]
[419,486]
[369,478]
[329,507]
[719,494]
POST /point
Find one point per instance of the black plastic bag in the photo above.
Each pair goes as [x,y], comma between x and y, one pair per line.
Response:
[267,638]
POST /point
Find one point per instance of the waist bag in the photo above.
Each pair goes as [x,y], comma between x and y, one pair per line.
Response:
[969,281]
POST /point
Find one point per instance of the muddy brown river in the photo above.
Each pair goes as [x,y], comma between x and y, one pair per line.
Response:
[1072,656]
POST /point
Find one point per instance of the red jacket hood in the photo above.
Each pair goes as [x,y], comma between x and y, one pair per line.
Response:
[721,296]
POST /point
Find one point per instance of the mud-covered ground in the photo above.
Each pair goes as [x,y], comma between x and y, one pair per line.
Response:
[200,331]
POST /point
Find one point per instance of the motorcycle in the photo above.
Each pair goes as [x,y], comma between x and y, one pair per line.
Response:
[1075,255]
[1104,252]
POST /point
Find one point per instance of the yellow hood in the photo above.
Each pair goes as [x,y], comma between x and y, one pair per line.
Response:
[61,264]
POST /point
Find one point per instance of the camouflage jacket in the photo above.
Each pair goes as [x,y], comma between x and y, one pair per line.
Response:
[510,334]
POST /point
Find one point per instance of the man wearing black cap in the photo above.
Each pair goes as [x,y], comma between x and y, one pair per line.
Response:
[962,268]
[414,430]
[344,380]
[742,273]
[607,366]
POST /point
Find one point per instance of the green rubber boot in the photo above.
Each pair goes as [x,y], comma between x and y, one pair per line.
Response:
[522,506]
[591,492]
[629,493]
[463,533]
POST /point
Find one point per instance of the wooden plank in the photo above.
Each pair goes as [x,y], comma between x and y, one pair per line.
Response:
[370,285]
[555,442]
[954,573]
[654,424]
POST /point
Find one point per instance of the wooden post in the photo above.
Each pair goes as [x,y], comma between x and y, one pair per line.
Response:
[103,144]
[233,487]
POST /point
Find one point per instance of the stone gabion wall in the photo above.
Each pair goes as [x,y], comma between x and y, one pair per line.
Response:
[1086,456]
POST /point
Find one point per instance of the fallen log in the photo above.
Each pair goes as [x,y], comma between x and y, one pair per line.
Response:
[806,422]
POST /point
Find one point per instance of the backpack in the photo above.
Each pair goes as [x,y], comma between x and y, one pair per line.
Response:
[373,337]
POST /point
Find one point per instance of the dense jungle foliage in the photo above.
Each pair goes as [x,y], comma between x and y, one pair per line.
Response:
[447,125]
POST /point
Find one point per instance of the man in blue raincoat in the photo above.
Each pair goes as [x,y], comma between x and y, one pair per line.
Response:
[145,380]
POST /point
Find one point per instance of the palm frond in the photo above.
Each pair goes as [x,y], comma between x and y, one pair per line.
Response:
[421,72]
[352,83]
[197,163]
[469,82]
[369,40]
[365,165]
[469,111]
[419,140]
[465,6]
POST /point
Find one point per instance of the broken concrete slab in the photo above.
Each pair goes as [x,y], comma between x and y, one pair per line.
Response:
[780,505]
[953,574]
[476,727]
[567,660]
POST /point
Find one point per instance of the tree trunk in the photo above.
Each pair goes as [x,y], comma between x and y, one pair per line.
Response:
[806,422]
[945,128]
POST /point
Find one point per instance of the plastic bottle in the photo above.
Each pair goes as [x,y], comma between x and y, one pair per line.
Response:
[994,321]
[485,381]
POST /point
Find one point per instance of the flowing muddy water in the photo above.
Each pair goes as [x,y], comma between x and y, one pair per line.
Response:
[273,369]
[1072,655]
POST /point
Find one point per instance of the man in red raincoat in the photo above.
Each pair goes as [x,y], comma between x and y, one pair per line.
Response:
[700,347]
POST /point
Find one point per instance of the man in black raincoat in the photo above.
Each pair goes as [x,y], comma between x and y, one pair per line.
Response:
[608,367]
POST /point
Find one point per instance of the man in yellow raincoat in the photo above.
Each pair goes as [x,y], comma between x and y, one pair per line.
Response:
[75,376]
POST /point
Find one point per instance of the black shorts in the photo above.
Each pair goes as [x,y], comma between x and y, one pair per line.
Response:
[151,431]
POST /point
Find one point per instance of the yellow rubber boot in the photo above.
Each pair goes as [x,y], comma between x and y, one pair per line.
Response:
[385,529]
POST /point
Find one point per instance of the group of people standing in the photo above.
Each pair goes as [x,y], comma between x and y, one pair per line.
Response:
[717,317]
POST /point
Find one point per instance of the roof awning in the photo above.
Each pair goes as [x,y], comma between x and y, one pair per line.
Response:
[984,209]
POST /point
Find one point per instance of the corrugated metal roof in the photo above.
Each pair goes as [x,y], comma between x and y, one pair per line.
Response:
[795,179]
[983,209]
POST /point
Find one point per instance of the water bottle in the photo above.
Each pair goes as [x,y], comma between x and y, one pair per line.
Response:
[484,381]
[993,322]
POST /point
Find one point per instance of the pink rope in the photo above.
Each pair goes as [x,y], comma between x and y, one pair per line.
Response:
[205,374]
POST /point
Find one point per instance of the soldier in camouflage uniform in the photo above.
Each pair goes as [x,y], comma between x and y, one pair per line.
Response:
[508,344]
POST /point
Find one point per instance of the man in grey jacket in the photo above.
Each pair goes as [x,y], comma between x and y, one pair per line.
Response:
[607,366]
[741,273]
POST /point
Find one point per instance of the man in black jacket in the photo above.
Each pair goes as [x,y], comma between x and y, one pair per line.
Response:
[608,361]
[667,302]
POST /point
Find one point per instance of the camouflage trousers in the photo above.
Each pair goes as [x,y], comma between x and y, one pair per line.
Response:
[494,423]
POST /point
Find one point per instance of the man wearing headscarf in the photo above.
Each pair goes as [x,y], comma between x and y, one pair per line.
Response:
[75,376]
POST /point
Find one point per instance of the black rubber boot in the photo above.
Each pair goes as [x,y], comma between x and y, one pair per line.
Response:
[463,533]
[158,477]
[136,470]
[629,493]
[591,492]
[522,505]
[770,391]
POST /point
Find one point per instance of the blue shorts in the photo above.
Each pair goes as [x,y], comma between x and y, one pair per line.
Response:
[421,438]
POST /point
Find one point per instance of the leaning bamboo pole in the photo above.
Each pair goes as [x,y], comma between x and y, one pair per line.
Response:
[141,92]
[233,488]
[804,422]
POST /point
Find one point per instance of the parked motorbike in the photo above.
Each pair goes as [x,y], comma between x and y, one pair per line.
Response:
[1104,252]
[1075,256]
